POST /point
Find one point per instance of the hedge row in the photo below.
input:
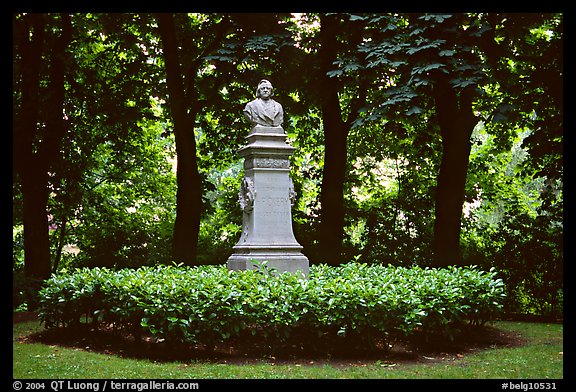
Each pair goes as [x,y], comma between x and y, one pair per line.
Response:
[210,304]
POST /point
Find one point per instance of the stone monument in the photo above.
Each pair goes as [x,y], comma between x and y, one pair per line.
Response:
[267,193]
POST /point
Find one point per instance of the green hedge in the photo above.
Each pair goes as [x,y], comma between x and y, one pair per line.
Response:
[209,304]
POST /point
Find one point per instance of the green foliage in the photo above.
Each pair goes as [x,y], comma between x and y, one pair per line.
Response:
[390,198]
[514,222]
[209,304]
[222,222]
[128,203]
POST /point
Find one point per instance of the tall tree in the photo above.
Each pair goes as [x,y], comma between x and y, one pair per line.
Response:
[336,125]
[189,194]
[442,58]
[467,64]
[456,121]
[434,73]
[335,136]
[186,46]
[40,125]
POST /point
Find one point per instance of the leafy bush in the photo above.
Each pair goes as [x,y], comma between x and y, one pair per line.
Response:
[209,304]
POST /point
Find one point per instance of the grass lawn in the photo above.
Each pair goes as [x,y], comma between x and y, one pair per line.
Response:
[540,357]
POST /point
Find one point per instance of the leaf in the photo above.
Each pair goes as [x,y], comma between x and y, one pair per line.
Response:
[462,83]
[334,73]
[427,68]
[389,27]
[481,30]
[417,31]
[437,17]
[414,110]
[425,44]
[351,67]
[446,52]
[442,17]
[357,17]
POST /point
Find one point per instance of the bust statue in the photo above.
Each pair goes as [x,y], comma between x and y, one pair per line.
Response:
[264,111]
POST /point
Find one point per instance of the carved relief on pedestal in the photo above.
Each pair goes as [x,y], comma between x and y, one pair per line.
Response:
[273,163]
[291,193]
[247,195]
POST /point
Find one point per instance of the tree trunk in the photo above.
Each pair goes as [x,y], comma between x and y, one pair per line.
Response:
[457,121]
[189,193]
[60,245]
[35,219]
[332,191]
[33,166]
[335,136]
[55,122]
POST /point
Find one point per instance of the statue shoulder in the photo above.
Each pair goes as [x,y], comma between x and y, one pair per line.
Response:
[250,107]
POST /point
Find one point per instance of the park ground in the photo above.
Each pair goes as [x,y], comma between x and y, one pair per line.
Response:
[504,349]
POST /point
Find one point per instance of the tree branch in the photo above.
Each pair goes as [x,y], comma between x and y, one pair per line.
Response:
[357,103]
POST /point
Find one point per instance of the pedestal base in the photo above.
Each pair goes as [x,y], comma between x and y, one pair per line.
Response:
[281,259]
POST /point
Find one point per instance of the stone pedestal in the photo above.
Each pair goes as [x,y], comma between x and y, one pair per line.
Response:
[266,198]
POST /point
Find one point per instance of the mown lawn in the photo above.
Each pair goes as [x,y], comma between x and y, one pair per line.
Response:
[540,357]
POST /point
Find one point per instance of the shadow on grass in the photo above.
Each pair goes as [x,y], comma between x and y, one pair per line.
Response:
[303,346]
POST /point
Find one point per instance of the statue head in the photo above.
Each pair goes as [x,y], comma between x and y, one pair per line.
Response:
[264,83]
